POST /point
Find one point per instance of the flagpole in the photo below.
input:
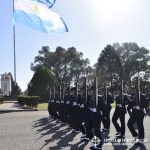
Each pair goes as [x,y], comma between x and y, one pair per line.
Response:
[14,46]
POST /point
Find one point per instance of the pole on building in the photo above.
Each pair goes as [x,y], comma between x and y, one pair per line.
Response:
[14,47]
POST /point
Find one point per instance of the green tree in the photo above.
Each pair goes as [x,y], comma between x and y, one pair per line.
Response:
[41,82]
[108,67]
[129,54]
[67,65]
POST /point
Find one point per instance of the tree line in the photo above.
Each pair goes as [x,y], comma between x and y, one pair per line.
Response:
[115,63]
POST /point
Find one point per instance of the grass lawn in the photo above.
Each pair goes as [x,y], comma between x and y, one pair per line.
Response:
[42,106]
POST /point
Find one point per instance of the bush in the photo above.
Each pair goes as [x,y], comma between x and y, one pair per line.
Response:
[2,99]
[29,101]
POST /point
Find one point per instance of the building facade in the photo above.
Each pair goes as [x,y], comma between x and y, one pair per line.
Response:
[6,85]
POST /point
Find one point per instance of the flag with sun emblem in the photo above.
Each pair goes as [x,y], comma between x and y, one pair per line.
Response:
[37,15]
[49,3]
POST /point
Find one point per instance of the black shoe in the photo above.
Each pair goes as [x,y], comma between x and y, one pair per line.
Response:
[118,134]
[139,142]
[135,140]
[83,136]
[105,130]
[97,148]
[86,139]
[121,136]
[75,131]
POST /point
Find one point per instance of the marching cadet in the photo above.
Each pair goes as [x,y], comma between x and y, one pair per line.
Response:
[83,117]
[50,104]
[74,109]
[136,109]
[59,106]
[148,98]
[68,106]
[56,106]
[120,111]
[65,113]
[148,103]
[108,100]
[53,105]
[62,105]
[94,119]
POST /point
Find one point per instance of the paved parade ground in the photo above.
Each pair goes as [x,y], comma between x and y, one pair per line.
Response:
[34,130]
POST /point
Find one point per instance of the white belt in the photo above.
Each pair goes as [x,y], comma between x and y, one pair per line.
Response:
[93,109]
[67,102]
[136,107]
[74,103]
[82,106]
[119,105]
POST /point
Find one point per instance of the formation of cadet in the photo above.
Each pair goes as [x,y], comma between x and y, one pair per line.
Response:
[84,109]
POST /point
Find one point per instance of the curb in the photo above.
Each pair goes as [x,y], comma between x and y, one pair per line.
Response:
[22,110]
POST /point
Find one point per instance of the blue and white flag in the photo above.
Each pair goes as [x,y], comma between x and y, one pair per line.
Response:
[38,16]
[49,3]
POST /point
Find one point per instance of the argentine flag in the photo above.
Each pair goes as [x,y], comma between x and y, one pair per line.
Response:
[37,15]
[49,3]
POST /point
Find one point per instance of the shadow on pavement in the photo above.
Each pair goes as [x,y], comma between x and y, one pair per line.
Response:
[57,133]
[139,147]
[64,142]
[120,145]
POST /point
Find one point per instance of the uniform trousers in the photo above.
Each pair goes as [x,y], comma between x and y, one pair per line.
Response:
[106,118]
[119,114]
[137,116]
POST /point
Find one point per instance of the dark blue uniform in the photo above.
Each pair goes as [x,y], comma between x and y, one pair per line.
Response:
[106,111]
[119,113]
[136,111]
[74,113]
[94,120]
[83,117]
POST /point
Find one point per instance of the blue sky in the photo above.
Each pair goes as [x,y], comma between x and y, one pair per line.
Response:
[92,25]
